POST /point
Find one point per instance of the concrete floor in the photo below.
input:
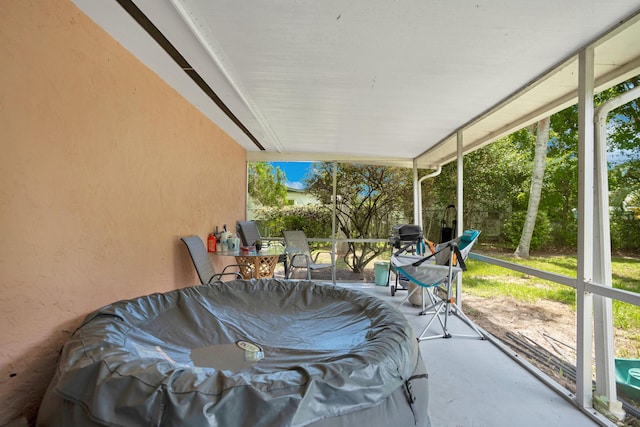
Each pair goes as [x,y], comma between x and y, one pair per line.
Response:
[473,383]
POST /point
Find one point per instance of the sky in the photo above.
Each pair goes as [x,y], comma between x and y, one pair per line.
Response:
[294,171]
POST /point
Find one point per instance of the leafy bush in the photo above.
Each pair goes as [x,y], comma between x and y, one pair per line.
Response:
[513,229]
[625,231]
[314,220]
[565,234]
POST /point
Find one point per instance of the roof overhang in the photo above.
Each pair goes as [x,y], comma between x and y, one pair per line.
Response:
[374,81]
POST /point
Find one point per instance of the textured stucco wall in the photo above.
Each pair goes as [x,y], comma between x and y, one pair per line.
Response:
[102,167]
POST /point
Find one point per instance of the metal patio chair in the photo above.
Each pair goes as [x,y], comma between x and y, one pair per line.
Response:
[202,263]
[249,234]
[297,248]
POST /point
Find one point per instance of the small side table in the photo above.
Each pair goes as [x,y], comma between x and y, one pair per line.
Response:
[260,264]
[263,265]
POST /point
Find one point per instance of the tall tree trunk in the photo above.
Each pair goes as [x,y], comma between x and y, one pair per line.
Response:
[539,163]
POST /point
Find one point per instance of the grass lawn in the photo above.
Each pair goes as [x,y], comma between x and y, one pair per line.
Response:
[487,281]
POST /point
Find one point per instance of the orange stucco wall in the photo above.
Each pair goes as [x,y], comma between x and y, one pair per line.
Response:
[102,167]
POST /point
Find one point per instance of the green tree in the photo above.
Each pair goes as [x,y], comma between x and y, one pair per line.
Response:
[371,199]
[560,200]
[495,179]
[624,121]
[267,185]
[539,163]
[493,175]
[625,179]
[623,125]
[498,176]
[314,220]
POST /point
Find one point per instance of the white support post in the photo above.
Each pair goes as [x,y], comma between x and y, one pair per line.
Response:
[333,222]
[417,200]
[584,299]
[603,310]
[460,206]
[246,192]
[419,186]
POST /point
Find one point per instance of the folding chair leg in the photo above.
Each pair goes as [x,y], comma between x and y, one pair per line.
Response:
[439,308]
[444,308]
[436,309]
[466,320]
[426,291]
[409,295]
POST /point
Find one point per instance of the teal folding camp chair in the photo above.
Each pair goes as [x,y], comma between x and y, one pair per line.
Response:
[434,276]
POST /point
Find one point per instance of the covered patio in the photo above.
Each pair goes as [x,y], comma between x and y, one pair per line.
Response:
[129,123]
[474,382]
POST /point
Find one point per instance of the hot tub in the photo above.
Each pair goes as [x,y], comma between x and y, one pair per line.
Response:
[243,353]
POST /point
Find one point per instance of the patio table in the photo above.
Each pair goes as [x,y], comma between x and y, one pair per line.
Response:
[253,264]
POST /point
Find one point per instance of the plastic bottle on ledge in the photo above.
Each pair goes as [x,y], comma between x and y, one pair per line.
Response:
[211,242]
[224,236]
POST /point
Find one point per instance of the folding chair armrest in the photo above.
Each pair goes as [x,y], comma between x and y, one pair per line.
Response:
[235,265]
[307,259]
[292,251]
[270,242]
[216,277]
[237,273]
[317,253]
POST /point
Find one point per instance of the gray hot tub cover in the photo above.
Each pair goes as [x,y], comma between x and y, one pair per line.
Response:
[172,358]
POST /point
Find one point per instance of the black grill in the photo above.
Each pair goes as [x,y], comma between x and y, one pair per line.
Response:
[405,233]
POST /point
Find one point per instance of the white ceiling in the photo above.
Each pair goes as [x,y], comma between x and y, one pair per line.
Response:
[381,81]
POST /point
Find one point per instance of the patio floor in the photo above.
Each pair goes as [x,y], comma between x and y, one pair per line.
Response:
[474,383]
